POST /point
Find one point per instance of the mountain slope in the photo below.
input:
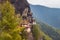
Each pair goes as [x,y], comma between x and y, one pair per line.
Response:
[19,8]
[58,30]
[48,30]
[39,34]
[47,15]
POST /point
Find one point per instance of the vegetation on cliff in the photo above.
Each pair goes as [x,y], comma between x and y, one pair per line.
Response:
[39,34]
[12,25]
[9,22]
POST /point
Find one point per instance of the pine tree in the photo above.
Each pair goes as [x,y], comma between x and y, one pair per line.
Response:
[9,23]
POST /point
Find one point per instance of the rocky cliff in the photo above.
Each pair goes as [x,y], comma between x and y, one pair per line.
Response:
[19,5]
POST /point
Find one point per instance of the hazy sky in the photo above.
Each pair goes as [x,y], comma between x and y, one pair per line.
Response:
[48,3]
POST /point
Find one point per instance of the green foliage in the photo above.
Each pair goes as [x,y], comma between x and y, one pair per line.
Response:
[39,34]
[13,35]
[8,18]
[45,37]
[9,23]
[58,31]
[36,32]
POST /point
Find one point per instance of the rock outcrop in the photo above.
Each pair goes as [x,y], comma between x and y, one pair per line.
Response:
[19,5]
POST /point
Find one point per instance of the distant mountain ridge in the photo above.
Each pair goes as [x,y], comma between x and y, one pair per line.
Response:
[46,14]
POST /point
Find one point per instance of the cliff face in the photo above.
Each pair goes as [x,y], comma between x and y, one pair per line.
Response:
[19,5]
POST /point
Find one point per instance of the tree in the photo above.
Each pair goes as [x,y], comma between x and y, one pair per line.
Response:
[9,23]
